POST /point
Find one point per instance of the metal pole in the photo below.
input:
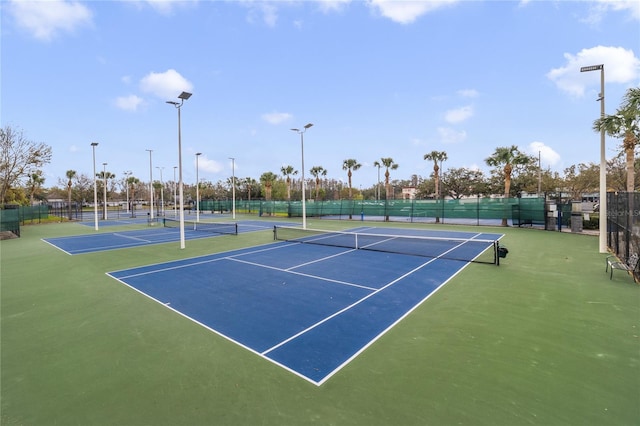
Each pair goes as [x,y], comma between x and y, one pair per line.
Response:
[104,178]
[175,193]
[161,191]
[126,184]
[603,174]
[95,186]
[180,185]
[183,96]
[198,154]
[233,187]
[304,196]
[603,164]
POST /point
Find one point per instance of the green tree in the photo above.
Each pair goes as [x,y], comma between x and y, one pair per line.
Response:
[70,174]
[19,157]
[267,179]
[388,164]
[316,172]
[625,125]
[506,158]
[35,183]
[351,165]
[436,157]
[287,172]
[463,182]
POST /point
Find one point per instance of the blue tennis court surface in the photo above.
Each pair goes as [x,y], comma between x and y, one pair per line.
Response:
[308,308]
[88,243]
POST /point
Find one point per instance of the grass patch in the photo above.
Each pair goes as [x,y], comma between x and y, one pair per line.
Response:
[546,338]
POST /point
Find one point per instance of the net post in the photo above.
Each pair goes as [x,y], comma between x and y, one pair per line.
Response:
[275,234]
[496,252]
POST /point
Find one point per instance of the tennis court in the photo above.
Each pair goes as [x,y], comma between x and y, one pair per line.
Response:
[164,232]
[308,304]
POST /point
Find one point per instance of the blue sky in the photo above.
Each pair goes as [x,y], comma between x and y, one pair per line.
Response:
[377,79]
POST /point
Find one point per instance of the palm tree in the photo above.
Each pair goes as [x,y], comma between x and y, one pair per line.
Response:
[436,156]
[625,125]
[132,182]
[35,182]
[70,175]
[316,172]
[249,184]
[350,165]
[267,180]
[507,157]
[388,163]
[287,171]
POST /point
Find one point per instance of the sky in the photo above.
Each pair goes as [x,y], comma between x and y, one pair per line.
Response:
[377,78]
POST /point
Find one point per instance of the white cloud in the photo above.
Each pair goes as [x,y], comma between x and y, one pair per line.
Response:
[327,6]
[46,19]
[599,8]
[129,103]
[166,85]
[547,155]
[407,11]
[207,165]
[620,66]
[276,117]
[468,93]
[458,115]
[448,135]
[264,11]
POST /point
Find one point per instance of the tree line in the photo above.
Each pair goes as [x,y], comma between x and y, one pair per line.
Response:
[512,173]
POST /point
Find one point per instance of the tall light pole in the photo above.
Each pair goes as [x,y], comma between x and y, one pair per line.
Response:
[104,178]
[603,163]
[304,184]
[126,184]
[183,96]
[161,191]
[198,154]
[95,186]
[233,187]
[175,193]
[378,165]
[150,185]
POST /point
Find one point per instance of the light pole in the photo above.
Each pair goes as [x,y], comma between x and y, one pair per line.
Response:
[603,163]
[95,186]
[378,165]
[183,96]
[175,194]
[150,186]
[126,184]
[104,178]
[304,184]
[233,187]
[198,154]
[161,191]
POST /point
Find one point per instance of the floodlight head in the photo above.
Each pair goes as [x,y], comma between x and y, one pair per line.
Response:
[296,130]
[184,96]
[308,125]
[198,153]
[94,143]
[174,103]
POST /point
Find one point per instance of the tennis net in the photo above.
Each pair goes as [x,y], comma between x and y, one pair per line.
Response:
[465,249]
[213,227]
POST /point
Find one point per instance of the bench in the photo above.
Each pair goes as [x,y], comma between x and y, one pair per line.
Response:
[632,266]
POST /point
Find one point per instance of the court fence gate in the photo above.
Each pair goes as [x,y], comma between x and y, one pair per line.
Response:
[623,225]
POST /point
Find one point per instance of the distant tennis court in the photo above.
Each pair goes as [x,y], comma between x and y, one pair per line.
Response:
[162,232]
[310,308]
